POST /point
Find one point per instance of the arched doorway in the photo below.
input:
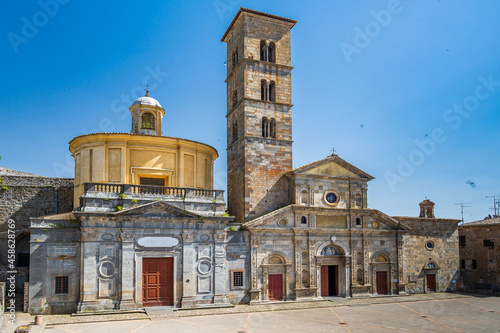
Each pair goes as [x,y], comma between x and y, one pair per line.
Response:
[382,272]
[334,273]
[275,271]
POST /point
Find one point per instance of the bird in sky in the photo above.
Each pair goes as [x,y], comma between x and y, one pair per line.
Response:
[471,183]
[362,125]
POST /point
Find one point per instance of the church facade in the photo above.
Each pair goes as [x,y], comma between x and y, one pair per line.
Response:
[150,229]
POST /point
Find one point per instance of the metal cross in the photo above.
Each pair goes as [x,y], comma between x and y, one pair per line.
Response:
[147,87]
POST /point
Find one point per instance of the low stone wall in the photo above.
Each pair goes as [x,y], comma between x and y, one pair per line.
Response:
[23,197]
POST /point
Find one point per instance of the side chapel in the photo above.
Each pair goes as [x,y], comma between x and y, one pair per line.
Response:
[150,230]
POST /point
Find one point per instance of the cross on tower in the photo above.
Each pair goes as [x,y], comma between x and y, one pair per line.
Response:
[147,89]
[333,150]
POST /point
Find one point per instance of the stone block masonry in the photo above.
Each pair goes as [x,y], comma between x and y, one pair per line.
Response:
[23,197]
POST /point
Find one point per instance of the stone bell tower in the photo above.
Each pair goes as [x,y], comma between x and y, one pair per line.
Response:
[259,112]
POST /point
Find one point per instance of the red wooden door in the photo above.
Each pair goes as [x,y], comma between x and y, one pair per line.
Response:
[157,281]
[381,283]
[324,281]
[431,282]
[275,283]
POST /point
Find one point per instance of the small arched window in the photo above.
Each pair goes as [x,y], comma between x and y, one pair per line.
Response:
[272,52]
[265,127]
[358,221]
[264,93]
[235,98]
[303,220]
[234,60]
[272,129]
[148,121]
[263,50]
[303,197]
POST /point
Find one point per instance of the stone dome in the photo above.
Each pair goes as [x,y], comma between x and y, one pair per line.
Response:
[147,100]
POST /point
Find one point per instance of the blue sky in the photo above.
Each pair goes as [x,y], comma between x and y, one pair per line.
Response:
[423,78]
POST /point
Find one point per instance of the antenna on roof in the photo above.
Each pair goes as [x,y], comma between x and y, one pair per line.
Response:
[462,206]
[496,203]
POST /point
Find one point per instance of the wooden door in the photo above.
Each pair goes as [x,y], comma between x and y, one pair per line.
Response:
[431,282]
[381,283]
[158,282]
[325,291]
[275,283]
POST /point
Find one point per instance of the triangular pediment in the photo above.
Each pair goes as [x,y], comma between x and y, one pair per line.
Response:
[158,209]
[332,166]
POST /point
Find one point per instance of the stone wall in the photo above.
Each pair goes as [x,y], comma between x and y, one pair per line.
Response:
[485,273]
[23,197]
[418,258]
[238,255]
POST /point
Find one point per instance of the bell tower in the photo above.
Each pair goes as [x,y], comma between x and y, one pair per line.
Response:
[259,112]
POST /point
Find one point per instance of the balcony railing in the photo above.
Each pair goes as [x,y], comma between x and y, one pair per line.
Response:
[138,191]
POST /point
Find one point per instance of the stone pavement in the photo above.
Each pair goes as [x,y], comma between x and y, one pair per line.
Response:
[325,305]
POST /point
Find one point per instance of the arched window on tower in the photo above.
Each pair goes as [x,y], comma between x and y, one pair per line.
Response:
[272,129]
[265,127]
[263,50]
[235,98]
[148,121]
[272,52]
[272,91]
[264,90]
[234,60]
[235,131]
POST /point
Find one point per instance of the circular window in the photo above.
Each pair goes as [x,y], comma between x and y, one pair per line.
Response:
[331,198]
[429,245]
[282,223]
[375,225]
[107,269]
[204,267]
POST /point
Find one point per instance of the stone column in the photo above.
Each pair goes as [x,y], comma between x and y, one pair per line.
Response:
[220,269]
[265,280]
[254,288]
[298,265]
[288,283]
[366,261]
[88,274]
[312,265]
[127,271]
[188,275]
[401,284]
[348,277]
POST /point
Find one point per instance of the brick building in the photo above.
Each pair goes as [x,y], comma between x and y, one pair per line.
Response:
[479,254]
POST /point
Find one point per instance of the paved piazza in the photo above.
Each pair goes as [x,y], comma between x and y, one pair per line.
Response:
[471,314]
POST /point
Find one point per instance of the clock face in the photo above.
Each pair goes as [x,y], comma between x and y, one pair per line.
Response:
[331,198]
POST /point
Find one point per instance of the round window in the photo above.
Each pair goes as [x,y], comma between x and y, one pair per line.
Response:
[282,223]
[375,225]
[429,245]
[331,198]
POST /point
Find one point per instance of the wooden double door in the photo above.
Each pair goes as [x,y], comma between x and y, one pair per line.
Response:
[330,280]
[275,287]
[158,282]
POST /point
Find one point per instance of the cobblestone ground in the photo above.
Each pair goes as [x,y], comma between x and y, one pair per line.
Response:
[417,313]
